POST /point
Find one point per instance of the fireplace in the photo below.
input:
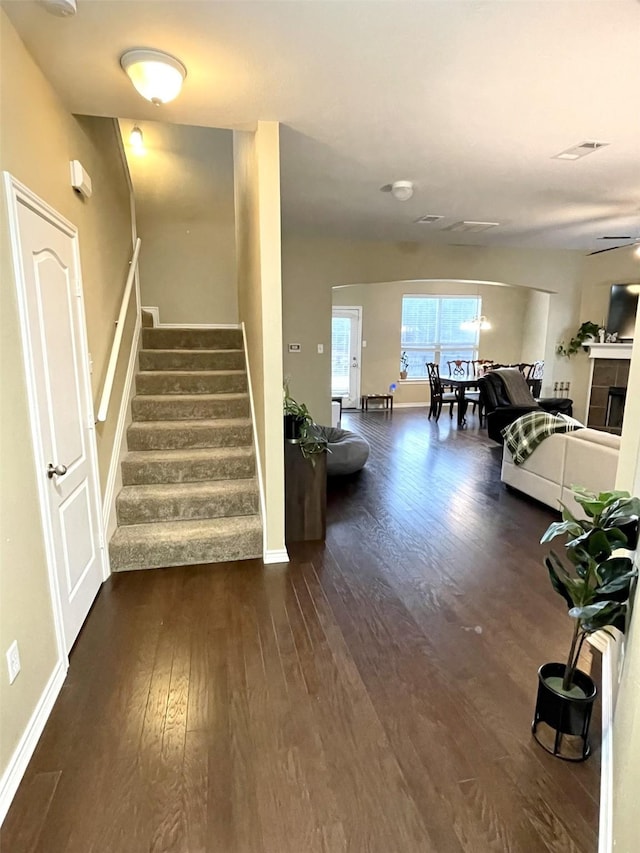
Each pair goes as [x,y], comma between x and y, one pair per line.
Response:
[608,392]
[615,408]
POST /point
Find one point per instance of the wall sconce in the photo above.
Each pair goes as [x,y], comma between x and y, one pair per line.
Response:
[136,138]
[157,76]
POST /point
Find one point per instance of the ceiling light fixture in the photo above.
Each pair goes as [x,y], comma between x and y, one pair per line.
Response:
[157,76]
[477,324]
[136,138]
[402,190]
[61,8]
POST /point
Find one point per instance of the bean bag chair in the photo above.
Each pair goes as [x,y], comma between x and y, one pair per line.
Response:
[348,451]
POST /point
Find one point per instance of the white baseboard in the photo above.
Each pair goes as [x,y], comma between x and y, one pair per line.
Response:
[411,405]
[155,313]
[611,653]
[15,770]
[270,557]
[114,476]
[197,326]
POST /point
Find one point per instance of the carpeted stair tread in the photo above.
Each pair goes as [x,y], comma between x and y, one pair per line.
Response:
[156,407]
[180,543]
[159,382]
[189,359]
[177,501]
[164,435]
[192,465]
[162,338]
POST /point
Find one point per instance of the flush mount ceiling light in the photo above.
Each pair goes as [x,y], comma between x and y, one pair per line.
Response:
[61,8]
[157,76]
[400,190]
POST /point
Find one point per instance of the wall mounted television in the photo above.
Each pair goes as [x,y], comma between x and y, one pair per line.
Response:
[623,305]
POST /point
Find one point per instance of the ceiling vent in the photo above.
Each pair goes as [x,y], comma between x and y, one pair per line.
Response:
[581,150]
[470,225]
[428,219]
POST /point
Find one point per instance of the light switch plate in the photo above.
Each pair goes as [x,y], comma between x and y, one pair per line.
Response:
[320,349]
[13,661]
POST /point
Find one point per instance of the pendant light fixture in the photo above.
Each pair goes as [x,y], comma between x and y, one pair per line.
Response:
[476,324]
[157,76]
[479,323]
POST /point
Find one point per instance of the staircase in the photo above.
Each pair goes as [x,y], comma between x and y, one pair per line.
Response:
[190,493]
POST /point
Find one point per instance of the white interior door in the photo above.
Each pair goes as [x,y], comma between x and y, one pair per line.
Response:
[46,260]
[346,352]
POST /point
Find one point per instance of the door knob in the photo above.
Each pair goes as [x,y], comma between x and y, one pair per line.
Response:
[60,470]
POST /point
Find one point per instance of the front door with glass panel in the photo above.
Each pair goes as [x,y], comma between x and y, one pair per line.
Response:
[346,341]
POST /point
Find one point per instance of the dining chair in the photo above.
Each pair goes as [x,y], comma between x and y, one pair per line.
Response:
[462,368]
[534,376]
[481,365]
[438,394]
[459,368]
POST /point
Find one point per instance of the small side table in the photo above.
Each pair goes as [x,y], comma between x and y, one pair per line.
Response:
[387,399]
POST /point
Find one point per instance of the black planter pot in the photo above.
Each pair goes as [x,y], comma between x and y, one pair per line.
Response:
[566,715]
[293,428]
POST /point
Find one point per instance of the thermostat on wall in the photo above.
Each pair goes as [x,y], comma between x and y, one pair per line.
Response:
[294,347]
[80,180]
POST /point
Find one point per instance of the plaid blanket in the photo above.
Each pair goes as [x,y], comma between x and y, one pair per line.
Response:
[527,432]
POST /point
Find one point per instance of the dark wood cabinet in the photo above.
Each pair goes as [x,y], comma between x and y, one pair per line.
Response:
[305,486]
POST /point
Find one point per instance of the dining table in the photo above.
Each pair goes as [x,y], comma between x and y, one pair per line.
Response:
[460,385]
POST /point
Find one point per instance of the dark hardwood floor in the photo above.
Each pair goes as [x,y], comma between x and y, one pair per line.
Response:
[373,696]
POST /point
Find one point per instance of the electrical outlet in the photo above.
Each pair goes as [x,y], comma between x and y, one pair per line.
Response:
[13,661]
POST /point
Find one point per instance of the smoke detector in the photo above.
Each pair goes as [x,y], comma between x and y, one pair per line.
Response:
[61,8]
[400,190]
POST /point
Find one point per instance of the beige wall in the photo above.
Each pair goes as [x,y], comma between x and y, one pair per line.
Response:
[188,269]
[257,200]
[183,182]
[626,740]
[311,267]
[381,319]
[38,137]
[535,325]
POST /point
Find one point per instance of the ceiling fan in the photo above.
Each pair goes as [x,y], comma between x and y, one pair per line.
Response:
[635,241]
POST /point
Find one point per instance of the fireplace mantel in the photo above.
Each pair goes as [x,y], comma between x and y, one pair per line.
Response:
[610,350]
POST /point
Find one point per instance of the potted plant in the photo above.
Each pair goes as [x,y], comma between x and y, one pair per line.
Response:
[596,586]
[298,427]
[588,331]
[404,365]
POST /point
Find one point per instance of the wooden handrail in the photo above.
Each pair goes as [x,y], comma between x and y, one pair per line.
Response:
[117,338]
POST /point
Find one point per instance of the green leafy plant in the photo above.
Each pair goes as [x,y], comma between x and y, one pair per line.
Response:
[596,585]
[586,330]
[310,444]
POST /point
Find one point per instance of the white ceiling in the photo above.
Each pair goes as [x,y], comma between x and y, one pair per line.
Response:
[469,100]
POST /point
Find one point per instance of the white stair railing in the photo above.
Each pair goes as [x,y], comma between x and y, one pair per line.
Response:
[117,339]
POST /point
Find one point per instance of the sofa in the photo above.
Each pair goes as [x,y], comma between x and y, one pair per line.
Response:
[500,410]
[585,457]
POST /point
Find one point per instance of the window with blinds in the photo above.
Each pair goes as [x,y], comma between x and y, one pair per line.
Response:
[431,331]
